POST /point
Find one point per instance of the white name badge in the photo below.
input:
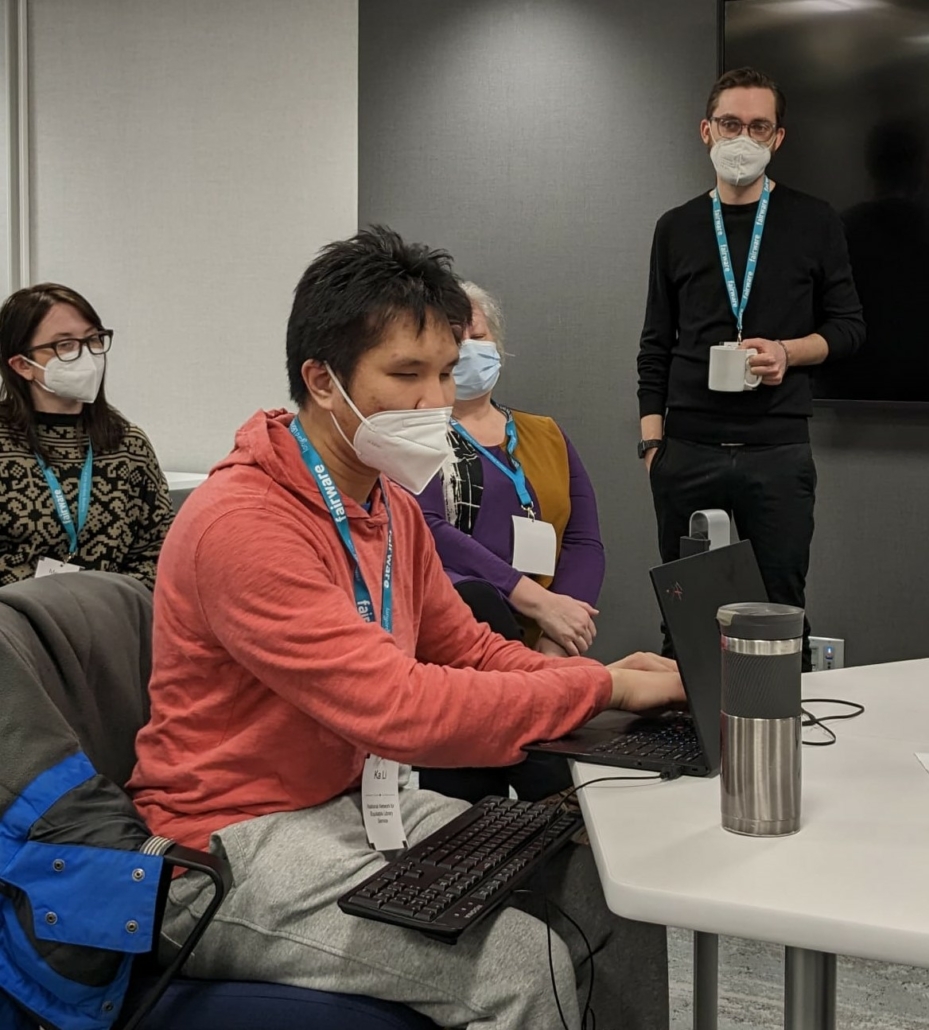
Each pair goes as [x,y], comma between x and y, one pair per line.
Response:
[534,546]
[51,567]
[380,804]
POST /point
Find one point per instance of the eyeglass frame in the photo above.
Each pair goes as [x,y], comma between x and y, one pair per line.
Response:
[717,118]
[105,334]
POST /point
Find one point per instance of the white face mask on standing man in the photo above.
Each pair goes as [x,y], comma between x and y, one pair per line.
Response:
[740,161]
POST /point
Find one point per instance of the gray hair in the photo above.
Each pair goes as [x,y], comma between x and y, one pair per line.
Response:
[490,306]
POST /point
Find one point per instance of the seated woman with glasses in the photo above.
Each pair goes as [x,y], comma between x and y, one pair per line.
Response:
[515,524]
[81,487]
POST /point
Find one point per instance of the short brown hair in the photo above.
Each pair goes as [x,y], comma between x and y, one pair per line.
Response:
[747,78]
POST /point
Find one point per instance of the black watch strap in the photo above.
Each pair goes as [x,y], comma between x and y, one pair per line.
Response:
[647,445]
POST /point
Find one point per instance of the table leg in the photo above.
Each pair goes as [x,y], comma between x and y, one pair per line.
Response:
[706,980]
[809,990]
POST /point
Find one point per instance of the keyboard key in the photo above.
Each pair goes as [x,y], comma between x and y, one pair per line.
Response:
[397,909]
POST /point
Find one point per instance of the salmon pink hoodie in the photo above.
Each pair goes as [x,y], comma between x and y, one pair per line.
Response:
[268,689]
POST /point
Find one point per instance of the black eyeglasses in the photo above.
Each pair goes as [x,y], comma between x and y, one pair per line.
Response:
[98,342]
[760,130]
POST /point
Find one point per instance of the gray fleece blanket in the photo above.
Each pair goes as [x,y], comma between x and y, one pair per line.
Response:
[75,658]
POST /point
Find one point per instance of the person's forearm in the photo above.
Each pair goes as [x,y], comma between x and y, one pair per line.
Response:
[652,427]
[528,597]
[807,350]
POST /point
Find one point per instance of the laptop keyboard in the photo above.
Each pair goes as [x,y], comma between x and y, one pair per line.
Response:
[672,740]
[463,871]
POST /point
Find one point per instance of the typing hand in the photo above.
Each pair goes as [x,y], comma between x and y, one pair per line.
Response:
[642,681]
[645,661]
[770,362]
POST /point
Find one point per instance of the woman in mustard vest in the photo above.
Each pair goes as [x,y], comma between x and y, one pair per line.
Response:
[515,523]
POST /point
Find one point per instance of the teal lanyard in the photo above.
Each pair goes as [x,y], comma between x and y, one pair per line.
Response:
[333,499]
[740,304]
[515,474]
[61,504]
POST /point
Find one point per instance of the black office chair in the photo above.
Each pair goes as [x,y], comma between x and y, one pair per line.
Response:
[74,665]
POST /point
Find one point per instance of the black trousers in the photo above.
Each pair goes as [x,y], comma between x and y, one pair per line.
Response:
[769,490]
[535,778]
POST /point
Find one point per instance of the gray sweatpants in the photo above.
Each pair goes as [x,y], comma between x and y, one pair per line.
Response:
[280,923]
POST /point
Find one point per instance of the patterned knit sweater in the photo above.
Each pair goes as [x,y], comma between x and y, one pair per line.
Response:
[130,508]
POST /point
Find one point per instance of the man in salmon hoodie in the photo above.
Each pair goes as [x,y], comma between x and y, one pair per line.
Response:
[303,622]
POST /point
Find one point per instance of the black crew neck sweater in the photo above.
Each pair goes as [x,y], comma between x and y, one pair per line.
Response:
[803,284]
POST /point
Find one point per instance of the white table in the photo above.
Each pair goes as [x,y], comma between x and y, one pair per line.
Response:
[853,881]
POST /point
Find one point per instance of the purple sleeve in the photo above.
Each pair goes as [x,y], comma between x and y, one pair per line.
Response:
[581,563]
[462,556]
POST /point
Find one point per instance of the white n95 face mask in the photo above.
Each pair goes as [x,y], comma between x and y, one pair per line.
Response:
[740,161]
[478,369]
[409,445]
[77,380]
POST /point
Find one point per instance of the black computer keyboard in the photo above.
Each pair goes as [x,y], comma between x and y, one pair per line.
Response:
[463,871]
[672,740]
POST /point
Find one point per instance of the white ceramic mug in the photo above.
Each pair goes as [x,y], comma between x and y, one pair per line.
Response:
[729,368]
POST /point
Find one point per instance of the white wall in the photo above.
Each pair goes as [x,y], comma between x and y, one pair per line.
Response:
[5,198]
[188,159]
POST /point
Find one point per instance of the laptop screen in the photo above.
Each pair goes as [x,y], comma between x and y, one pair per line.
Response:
[690,592]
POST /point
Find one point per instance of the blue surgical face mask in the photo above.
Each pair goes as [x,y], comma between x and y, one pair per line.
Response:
[478,369]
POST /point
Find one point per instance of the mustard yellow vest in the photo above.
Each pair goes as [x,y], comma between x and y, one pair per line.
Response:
[543,454]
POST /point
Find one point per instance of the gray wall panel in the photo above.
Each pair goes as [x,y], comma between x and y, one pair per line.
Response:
[868,578]
[539,142]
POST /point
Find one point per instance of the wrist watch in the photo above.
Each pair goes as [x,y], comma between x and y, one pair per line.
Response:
[647,445]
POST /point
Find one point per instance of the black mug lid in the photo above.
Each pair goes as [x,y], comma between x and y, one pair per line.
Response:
[760,620]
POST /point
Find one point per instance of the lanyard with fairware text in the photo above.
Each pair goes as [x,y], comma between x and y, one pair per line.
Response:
[725,256]
[515,474]
[60,501]
[333,499]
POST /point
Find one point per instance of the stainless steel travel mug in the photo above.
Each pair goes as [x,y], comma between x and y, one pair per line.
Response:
[760,719]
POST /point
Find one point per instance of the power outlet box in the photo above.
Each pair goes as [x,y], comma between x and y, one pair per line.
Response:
[828,653]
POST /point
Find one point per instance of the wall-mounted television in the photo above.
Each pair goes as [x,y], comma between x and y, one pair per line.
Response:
[856,75]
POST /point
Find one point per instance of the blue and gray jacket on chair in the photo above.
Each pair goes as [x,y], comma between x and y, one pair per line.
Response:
[79,873]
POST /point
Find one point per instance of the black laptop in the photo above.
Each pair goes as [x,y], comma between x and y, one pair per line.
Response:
[690,592]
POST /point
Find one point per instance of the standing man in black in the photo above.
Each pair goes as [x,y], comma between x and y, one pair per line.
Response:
[747,452]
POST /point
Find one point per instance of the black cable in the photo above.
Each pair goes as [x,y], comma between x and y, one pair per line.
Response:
[671,773]
[809,719]
[551,967]
[588,1012]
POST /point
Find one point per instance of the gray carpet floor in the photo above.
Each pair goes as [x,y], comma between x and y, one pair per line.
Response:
[869,996]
